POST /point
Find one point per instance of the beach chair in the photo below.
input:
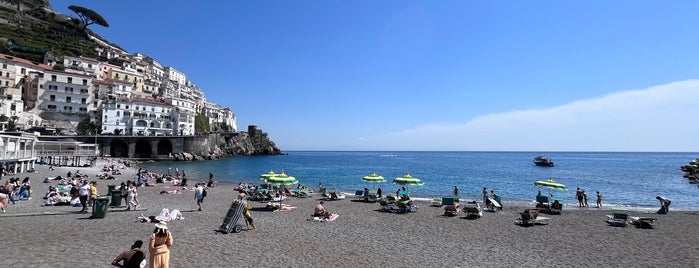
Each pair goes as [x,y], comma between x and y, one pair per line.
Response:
[524,219]
[473,210]
[618,219]
[387,206]
[404,207]
[543,202]
[437,202]
[643,222]
[359,194]
[556,207]
[451,206]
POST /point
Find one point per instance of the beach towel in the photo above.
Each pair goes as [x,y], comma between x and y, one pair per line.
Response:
[321,219]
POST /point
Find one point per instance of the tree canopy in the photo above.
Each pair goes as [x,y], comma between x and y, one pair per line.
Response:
[88,16]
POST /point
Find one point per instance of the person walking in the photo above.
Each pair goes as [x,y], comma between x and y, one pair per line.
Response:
[599,199]
[199,194]
[84,192]
[159,247]
[579,196]
[131,258]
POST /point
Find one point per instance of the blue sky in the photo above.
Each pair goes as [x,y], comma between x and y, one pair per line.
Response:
[433,75]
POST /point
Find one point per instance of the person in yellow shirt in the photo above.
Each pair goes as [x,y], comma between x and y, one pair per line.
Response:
[93,192]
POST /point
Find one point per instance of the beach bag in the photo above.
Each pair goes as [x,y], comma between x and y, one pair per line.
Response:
[203,193]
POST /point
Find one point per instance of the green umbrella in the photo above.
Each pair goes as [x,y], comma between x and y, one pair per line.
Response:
[408,180]
[551,184]
[373,178]
[281,179]
[267,175]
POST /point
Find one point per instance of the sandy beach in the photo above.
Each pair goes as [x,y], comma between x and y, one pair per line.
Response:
[58,236]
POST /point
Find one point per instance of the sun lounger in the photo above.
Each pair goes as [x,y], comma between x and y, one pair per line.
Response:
[451,206]
[524,219]
[473,210]
[437,202]
[618,219]
[643,222]
[387,206]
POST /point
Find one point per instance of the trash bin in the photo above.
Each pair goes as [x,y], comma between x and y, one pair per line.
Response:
[116,198]
[99,207]
[110,189]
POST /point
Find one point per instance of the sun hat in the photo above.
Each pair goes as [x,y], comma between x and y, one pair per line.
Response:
[161,225]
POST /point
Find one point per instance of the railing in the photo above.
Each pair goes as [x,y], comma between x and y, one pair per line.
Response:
[65,152]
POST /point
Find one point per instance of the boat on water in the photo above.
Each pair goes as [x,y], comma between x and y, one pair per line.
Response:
[543,161]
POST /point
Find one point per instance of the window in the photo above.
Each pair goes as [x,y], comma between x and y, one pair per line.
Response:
[84,82]
[52,97]
[24,71]
[89,65]
[83,101]
[83,110]
[118,113]
[4,66]
[127,107]
[116,75]
[70,80]
[68,100]
[69,90]
[53,78]
[52,107]
[118,105]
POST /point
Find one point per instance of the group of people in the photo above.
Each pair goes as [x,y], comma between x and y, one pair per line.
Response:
[13,191]
[161,241]
[581,195]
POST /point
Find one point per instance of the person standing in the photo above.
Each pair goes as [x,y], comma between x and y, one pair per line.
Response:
[456,191]
[199,195]
[131,258]
[159,247]
[584,199]
[130,196]
[93,192]
[84,192]
[599,199]
[579,196]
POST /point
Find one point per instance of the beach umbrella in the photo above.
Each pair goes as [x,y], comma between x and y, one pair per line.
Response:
[267,175]
[281,180]
[551,184]
[373,178]
[408,180]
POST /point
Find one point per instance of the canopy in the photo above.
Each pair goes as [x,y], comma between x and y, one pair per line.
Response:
[549,183]
[282,179]
[373,178]
[408,180]
[267,175]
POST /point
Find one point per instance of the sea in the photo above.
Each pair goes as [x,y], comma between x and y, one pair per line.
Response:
[625,179]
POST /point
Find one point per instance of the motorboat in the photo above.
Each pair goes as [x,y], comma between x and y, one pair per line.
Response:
[543,161]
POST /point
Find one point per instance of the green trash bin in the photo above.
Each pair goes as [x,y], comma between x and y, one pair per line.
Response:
[99,207]
[110,189]
[116,198]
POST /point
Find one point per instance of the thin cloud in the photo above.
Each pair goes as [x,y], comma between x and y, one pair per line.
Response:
[660,118]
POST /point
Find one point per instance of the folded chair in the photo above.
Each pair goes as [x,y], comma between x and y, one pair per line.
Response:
[451,206]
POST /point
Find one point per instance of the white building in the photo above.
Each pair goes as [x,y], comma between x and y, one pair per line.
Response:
[183,115]
[137,117]
[64,92]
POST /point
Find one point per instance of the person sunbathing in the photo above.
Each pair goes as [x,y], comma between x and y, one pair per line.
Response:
[165,215]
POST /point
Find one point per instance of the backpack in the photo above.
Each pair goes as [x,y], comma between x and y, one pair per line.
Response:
[203,193]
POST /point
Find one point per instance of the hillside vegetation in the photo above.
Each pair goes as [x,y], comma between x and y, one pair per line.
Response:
[36,29]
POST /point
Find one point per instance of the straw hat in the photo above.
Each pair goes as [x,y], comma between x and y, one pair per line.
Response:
[161,225]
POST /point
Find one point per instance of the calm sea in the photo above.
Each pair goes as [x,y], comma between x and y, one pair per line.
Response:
[624,179]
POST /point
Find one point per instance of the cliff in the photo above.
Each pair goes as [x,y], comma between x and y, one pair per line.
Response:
[217,145]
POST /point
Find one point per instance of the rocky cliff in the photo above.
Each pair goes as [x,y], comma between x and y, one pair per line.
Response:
[217,145]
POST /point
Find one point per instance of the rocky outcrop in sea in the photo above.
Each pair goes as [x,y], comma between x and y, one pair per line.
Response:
[218,145]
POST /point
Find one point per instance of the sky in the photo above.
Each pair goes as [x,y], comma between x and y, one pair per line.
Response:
[396,75]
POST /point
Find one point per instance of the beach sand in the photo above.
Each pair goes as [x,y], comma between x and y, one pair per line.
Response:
[38,236]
